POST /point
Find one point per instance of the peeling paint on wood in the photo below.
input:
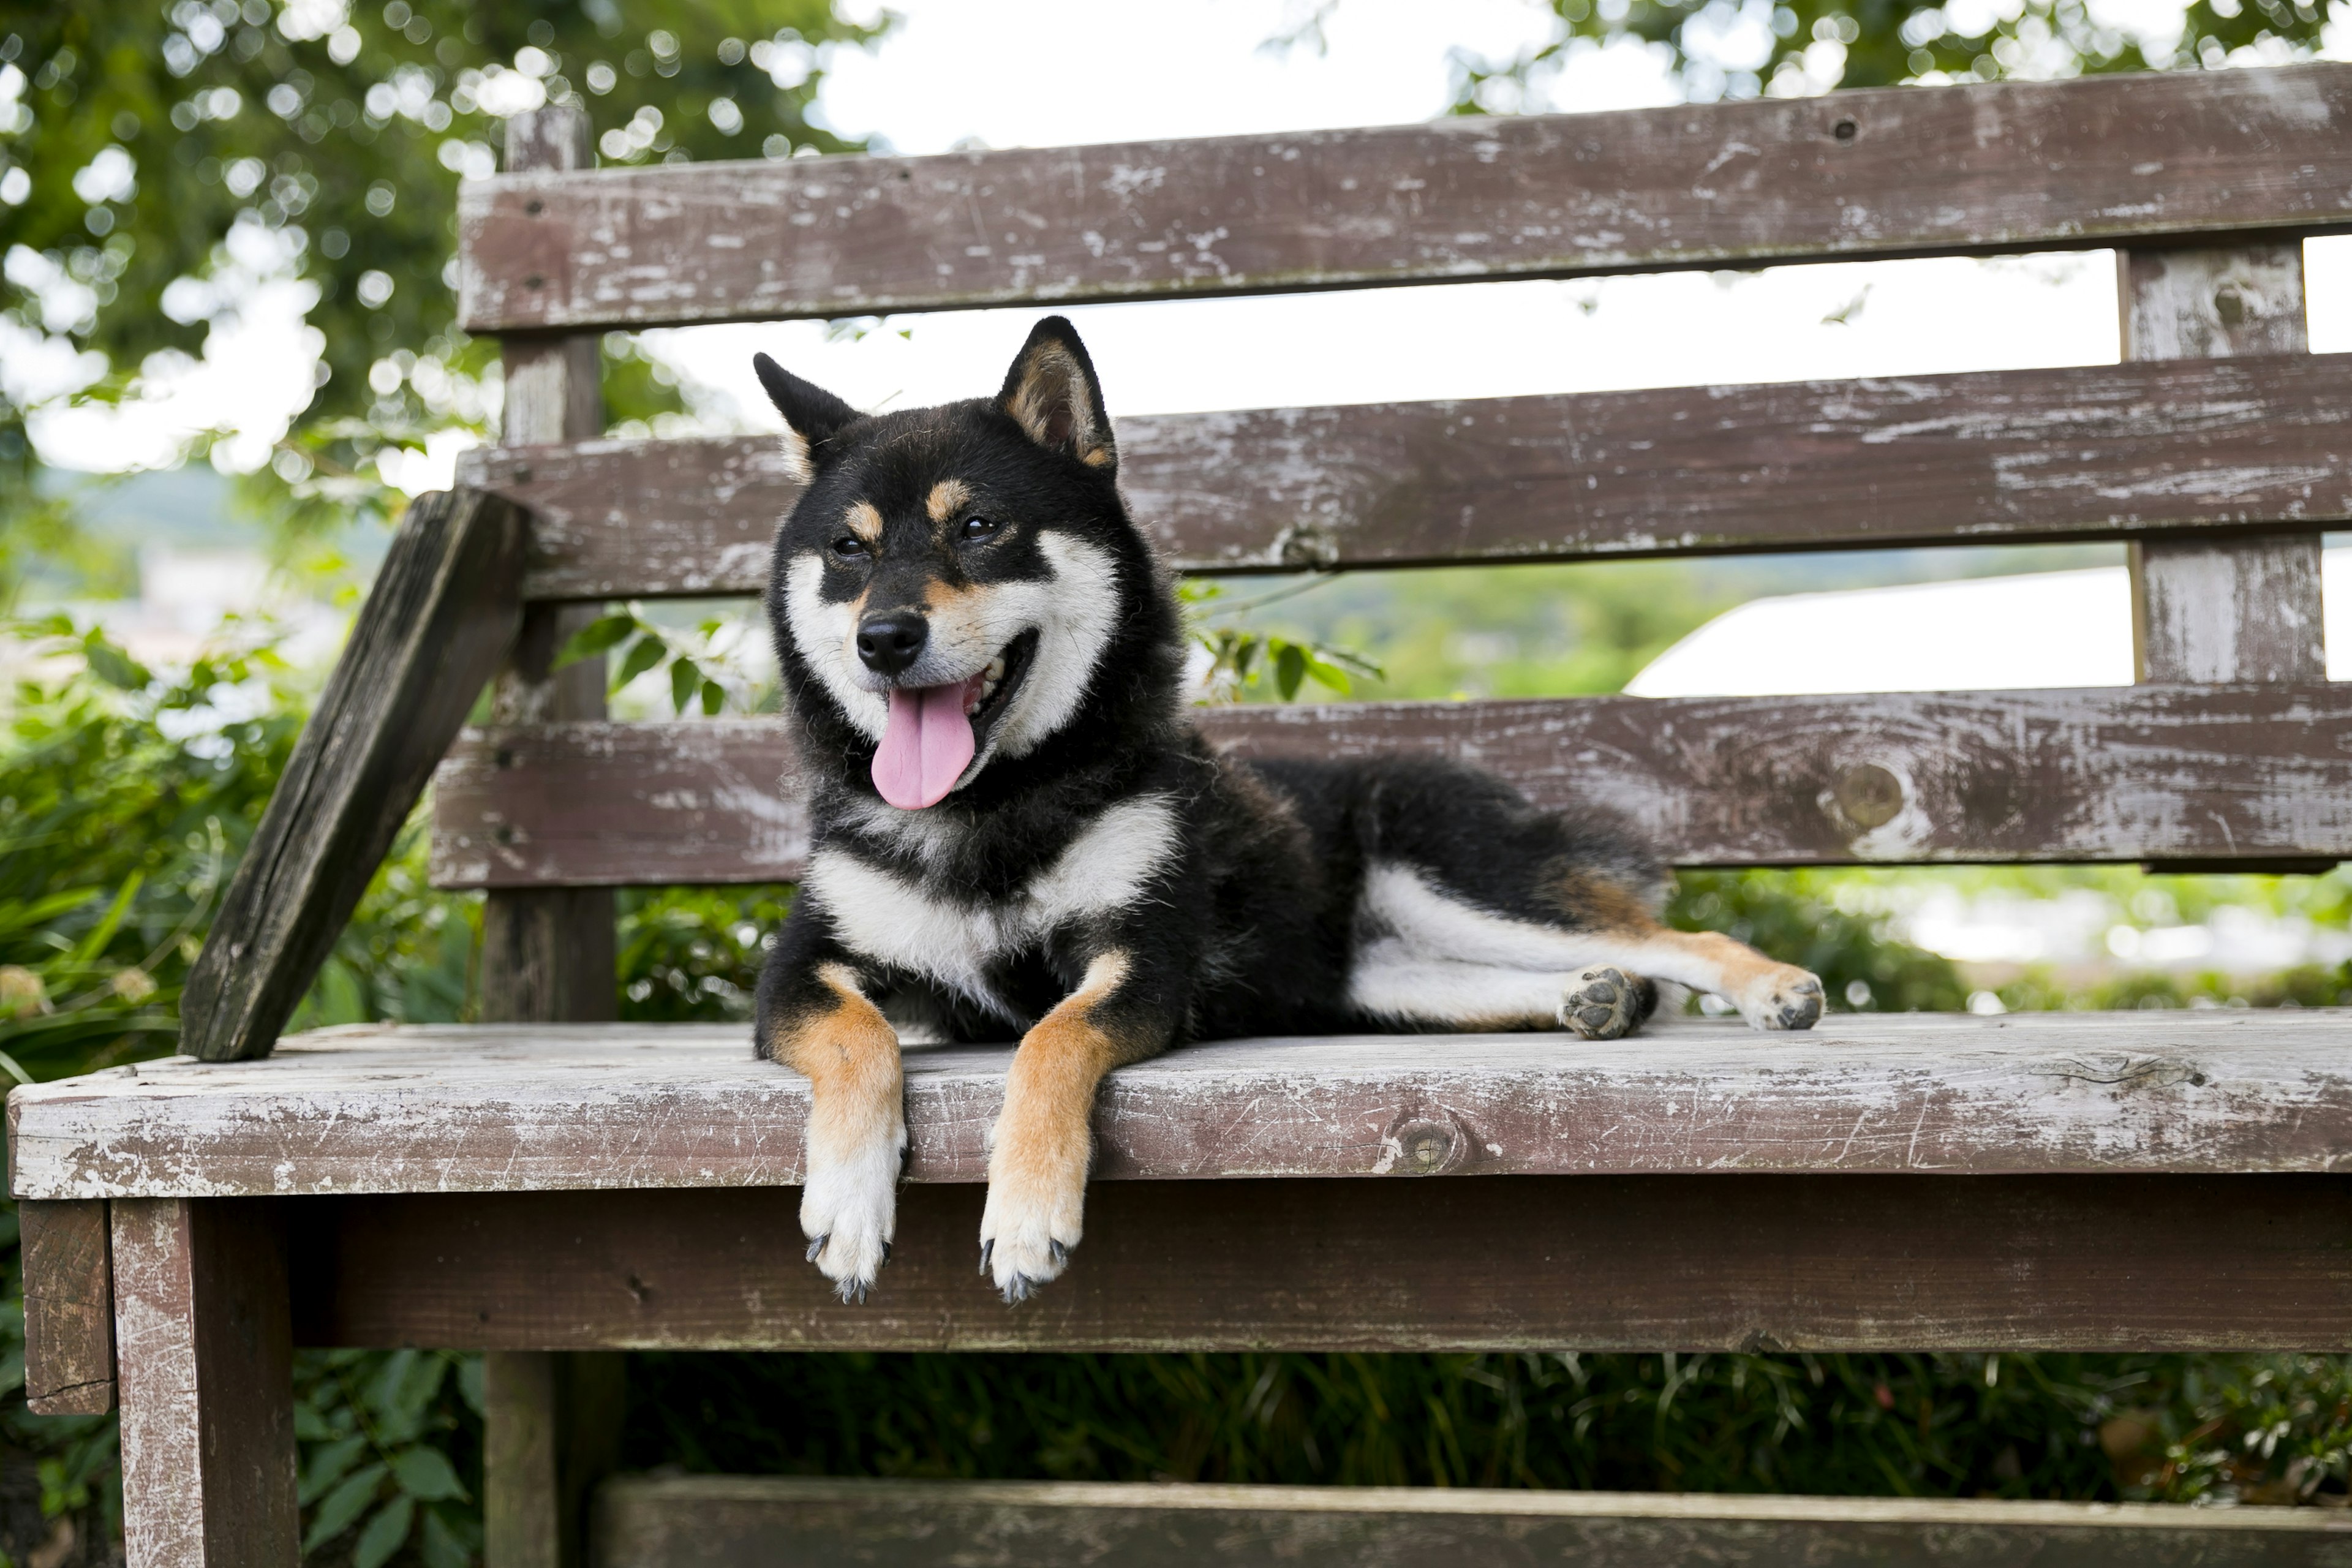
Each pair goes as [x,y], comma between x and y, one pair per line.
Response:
[2088,452]
[207,1387]
[1511,1263]
[482,1109]
[740,1522]
[1898,171]
[2103,775]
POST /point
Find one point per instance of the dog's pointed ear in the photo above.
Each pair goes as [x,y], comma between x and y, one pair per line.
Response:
[815,415]
[1051,392]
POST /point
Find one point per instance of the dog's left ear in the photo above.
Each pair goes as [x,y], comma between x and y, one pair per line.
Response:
[1052,394]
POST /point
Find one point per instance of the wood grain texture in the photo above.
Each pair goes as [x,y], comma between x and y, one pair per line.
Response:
[445,606]
[460,1108]
[1630,1263]
[552,1430]
[2085,452]
[2221,609]
[69,1307]
[547,953]
[207,1392]
[751,1521]
[2237,772]
[1900,172]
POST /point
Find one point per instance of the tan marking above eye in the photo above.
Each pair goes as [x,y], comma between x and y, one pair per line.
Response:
[864,519]
[948,497]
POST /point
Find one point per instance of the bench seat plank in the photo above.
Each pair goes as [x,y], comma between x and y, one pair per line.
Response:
[478,1108]
[2247,773]
[737,1521]
[1901,170]
[2000,457]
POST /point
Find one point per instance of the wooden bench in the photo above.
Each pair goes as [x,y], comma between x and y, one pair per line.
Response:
[550,1186]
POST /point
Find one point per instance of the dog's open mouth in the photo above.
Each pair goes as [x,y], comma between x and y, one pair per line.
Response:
[934,731]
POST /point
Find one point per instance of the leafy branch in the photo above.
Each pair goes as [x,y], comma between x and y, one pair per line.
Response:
[1242,661]
[652,647]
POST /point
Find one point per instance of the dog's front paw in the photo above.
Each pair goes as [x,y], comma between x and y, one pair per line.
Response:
[1034,1215]
[1781,996]
[1600,1004]
[849,1209]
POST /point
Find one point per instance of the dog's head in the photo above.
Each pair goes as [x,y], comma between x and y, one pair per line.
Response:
[954,579]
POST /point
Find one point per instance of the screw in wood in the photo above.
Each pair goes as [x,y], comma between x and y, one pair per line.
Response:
[1844,130]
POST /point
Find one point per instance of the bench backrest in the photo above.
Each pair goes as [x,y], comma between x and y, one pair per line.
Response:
[2216,448]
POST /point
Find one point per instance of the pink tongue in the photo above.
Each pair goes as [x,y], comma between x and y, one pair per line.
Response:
[926,746]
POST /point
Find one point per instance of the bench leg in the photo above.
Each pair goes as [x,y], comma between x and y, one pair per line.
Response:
[205,1359]
[552,1430]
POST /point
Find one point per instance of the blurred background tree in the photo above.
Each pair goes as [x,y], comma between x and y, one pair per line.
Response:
[158,163]
[1747,48]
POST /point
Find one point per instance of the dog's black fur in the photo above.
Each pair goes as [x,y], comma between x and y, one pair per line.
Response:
[1253,896]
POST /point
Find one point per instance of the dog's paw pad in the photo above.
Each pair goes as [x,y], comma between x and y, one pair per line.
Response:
[1784,998]
[1599,1005]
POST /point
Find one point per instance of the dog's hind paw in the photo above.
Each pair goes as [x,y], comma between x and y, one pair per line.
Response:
[1600,1006]
[1782,998]
[849,1211]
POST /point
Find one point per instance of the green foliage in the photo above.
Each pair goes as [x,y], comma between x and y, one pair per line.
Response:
[692,666]
[693,954]
[2269,1428]
[124,799]
[1718,48]
[1243,662]
[158,155]
[386,1438]
[1799,918]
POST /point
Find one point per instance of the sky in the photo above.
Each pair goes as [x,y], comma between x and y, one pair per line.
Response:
[1043,72]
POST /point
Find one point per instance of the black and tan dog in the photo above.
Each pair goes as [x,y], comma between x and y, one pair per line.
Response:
[1017,830]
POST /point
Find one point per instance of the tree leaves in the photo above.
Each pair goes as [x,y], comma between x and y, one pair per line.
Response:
[651,646]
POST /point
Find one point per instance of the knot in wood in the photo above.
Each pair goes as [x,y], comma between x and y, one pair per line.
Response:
[1306,546]
[1424,1149]
[1869,795]
[1844,130]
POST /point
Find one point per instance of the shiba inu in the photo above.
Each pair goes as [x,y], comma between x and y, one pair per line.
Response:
[1017,831]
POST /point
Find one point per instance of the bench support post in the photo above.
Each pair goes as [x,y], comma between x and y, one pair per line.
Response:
[204,1319]
[2207,612]
[553,1424]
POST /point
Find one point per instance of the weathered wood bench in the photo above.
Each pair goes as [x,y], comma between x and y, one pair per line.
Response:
[550,1186]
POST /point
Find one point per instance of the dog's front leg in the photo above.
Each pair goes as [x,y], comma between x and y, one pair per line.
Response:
[814,1016]
[1043,1139]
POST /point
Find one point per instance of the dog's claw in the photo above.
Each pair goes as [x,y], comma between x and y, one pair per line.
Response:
[1019,1288]
[987,1252]
[1061,1254]
[816,1247]
[887,1250]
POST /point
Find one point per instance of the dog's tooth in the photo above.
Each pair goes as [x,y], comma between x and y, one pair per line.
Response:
[996,669]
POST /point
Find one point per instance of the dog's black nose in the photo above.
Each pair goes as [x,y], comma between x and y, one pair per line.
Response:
[890,643]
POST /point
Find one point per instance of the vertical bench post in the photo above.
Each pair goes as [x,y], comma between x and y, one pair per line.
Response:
[204,1322]
[553,1423]
[2206,612]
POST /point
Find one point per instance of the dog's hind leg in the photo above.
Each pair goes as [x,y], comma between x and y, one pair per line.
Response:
[813,1017]
[1391,983]
[1459,870]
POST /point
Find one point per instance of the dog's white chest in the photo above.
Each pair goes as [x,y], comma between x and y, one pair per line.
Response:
[893,920]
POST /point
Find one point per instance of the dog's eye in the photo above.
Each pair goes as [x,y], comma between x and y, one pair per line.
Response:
[980,527]
[849,547]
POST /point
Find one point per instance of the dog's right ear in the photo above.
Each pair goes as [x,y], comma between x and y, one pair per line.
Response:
[815,415]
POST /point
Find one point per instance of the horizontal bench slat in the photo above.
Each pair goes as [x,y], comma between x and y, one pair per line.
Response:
[1508,1263]
[1917,170]
[2244,773]
[535,1107]
[737,1521]
[2092,452]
